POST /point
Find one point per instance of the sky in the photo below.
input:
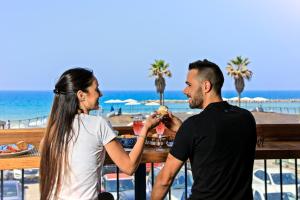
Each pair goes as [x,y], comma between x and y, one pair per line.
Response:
[119,40]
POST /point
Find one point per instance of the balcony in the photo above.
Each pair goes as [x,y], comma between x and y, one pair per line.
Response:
[278,147]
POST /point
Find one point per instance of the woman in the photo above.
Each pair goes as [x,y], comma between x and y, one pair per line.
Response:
[74,145]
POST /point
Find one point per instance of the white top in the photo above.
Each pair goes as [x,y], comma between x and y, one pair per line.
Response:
[86,157]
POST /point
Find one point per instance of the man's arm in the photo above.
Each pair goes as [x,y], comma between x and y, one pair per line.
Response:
[165,177]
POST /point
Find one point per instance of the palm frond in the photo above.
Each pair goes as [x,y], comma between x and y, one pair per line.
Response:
[159,68]
[237,68]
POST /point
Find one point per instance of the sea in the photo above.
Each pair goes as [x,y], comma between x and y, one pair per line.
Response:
[22,105]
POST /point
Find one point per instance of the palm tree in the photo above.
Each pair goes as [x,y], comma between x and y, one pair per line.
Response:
[237,68]
[159,69]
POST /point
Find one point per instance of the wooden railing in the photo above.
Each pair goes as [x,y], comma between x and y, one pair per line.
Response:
[35,135]
[278,141]
[265,133]
[277,132]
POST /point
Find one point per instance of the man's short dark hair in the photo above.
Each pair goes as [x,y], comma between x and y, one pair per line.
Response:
[211,72]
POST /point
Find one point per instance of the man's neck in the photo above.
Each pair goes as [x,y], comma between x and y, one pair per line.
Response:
[210,100]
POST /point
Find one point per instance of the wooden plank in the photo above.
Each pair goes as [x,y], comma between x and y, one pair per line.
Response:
[277,132]
[124,129]
[279,150]
[152,155]
[30,136]
[22,131]
[267,131]
[284,131]
[272,150]
[20,163]
[34,136]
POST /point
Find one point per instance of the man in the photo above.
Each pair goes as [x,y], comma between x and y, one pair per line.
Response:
[219,142]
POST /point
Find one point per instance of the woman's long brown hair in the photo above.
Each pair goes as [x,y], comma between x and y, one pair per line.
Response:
[59,133]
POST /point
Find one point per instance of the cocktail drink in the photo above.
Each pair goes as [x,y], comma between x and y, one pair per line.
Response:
[160,128]
[137,125]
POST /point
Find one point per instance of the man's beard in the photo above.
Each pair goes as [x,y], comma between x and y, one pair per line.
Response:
[197,101]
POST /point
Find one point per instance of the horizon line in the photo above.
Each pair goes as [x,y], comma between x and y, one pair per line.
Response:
[147,90]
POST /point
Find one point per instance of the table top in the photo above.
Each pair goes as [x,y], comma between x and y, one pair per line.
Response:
[270,150]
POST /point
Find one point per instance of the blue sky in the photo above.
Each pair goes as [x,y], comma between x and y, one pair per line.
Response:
[120,39]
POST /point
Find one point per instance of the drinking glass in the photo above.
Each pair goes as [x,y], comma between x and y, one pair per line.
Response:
[160,128]
[137,124]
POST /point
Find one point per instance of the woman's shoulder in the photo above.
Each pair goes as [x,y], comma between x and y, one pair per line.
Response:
[93,118]
[89,117]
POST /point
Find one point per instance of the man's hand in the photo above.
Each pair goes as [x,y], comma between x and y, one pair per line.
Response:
[172,122]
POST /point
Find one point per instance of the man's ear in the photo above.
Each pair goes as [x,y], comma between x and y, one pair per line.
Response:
[81,95]
[207,86]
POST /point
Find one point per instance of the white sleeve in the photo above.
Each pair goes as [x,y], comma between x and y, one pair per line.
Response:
[105,133]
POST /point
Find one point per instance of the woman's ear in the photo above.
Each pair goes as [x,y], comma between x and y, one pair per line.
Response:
[81,95]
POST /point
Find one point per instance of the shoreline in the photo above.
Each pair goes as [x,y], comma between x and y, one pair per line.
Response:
[225,99]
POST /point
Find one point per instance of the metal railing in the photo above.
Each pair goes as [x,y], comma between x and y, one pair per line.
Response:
[266,193]
[285,155]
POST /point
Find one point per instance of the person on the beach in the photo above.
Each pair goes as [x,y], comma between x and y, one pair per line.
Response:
[74,145]
[219,142]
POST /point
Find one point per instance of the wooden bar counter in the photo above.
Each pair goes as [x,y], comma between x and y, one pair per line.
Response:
[280,141]
[276,142]
[270,150]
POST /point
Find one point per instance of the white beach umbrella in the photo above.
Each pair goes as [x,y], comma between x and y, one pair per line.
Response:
[260,99]
[152,104]
[224,99]
[233,99]
[129,100]
[246,99]
[114,101]
[133,103]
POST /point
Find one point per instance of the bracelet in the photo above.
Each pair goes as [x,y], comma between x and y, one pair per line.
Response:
[142,136]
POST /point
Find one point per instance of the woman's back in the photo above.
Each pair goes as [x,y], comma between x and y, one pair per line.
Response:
[86,156]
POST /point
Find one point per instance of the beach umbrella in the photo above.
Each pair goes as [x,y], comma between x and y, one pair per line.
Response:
[129,100]
[233,99]
[152,104]
[133,103]
[114,101]
[246,99]
[260,99]
[224,99]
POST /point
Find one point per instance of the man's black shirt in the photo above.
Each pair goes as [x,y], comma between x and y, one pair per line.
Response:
[220,143]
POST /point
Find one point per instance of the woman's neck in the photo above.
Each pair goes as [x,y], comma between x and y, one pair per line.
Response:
[81,111]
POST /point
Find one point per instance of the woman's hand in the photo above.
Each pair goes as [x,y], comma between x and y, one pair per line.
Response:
[151,122]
